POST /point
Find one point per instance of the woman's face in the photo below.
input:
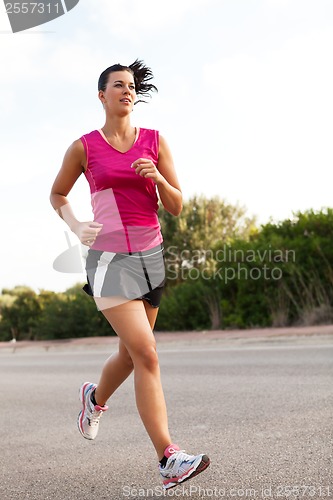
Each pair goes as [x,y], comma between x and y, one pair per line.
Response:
[119,95]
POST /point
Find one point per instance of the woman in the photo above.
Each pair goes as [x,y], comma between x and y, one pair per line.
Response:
[125,264]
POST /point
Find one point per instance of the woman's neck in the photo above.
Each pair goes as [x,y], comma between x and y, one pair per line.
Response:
[117,126]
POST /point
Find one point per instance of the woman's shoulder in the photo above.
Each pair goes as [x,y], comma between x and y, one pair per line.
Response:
[149,134]
[149,138]
[149,130]
[90,134]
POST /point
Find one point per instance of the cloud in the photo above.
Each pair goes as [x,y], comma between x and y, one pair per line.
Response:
[285,93]
[278,3]
[17,57]
[136,20]
[272,118]
[75,61]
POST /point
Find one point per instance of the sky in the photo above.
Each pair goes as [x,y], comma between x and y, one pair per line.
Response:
[245,103]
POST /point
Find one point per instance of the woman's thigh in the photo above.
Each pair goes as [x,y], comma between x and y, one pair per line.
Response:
[131,323]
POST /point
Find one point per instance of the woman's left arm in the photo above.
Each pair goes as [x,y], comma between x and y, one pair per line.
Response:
[164,176]
[168,186]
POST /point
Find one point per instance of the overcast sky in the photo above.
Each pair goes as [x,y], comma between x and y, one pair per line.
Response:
[245,102]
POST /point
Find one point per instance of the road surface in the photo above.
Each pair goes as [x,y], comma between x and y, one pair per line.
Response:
[262,409]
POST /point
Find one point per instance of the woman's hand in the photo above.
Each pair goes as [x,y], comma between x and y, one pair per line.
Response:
[87,232]
[165,177]
[147,169]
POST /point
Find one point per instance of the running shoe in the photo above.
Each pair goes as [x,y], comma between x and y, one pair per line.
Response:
[89,416]
[180,467]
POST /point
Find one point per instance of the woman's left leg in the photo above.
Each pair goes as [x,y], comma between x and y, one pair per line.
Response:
[151,313]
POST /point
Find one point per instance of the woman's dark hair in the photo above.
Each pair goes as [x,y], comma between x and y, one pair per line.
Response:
[141,74]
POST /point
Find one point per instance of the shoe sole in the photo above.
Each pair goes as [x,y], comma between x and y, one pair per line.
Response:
[205,461]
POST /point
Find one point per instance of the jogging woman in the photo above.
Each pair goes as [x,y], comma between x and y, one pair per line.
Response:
[126,167]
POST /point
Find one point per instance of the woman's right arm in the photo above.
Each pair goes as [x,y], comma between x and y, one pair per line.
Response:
[72,166]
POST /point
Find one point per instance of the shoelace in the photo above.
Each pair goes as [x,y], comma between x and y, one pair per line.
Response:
[94,418]
[181,457]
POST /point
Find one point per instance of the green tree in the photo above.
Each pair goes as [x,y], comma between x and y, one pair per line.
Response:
[72,314]
[300,253]
[203,223]
[19,318]
[307,285]
[189,242]
[182,308]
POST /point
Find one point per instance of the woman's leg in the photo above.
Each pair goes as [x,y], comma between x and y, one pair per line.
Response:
[130,322]
[115,371]
[151,313]
[119,366]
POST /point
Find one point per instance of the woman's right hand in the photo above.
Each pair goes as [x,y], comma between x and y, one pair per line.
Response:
[87,232]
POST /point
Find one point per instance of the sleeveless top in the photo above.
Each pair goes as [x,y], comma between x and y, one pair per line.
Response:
[123,201]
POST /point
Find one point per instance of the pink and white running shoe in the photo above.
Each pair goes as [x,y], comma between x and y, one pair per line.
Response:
[89,416]
[180,467]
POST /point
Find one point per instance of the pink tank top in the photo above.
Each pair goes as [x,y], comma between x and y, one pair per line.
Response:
[124,202]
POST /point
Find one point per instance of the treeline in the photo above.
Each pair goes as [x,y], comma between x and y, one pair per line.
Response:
[26,315]
[223,272]
[230,274]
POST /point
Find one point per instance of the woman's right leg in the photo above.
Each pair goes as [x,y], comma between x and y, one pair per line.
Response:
[116,369]
[134,323]
[131,324]
[120,365]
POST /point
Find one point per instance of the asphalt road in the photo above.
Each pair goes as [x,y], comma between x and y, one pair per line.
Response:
[263,411]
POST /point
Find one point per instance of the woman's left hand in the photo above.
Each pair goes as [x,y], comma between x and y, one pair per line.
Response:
[147,169]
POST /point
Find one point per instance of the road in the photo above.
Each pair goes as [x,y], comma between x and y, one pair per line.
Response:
[262,410]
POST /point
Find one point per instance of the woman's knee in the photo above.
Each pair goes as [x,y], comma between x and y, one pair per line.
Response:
[146,356]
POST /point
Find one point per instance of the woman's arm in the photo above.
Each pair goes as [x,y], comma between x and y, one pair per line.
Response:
[164,176]
[71,169]
[168,187]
